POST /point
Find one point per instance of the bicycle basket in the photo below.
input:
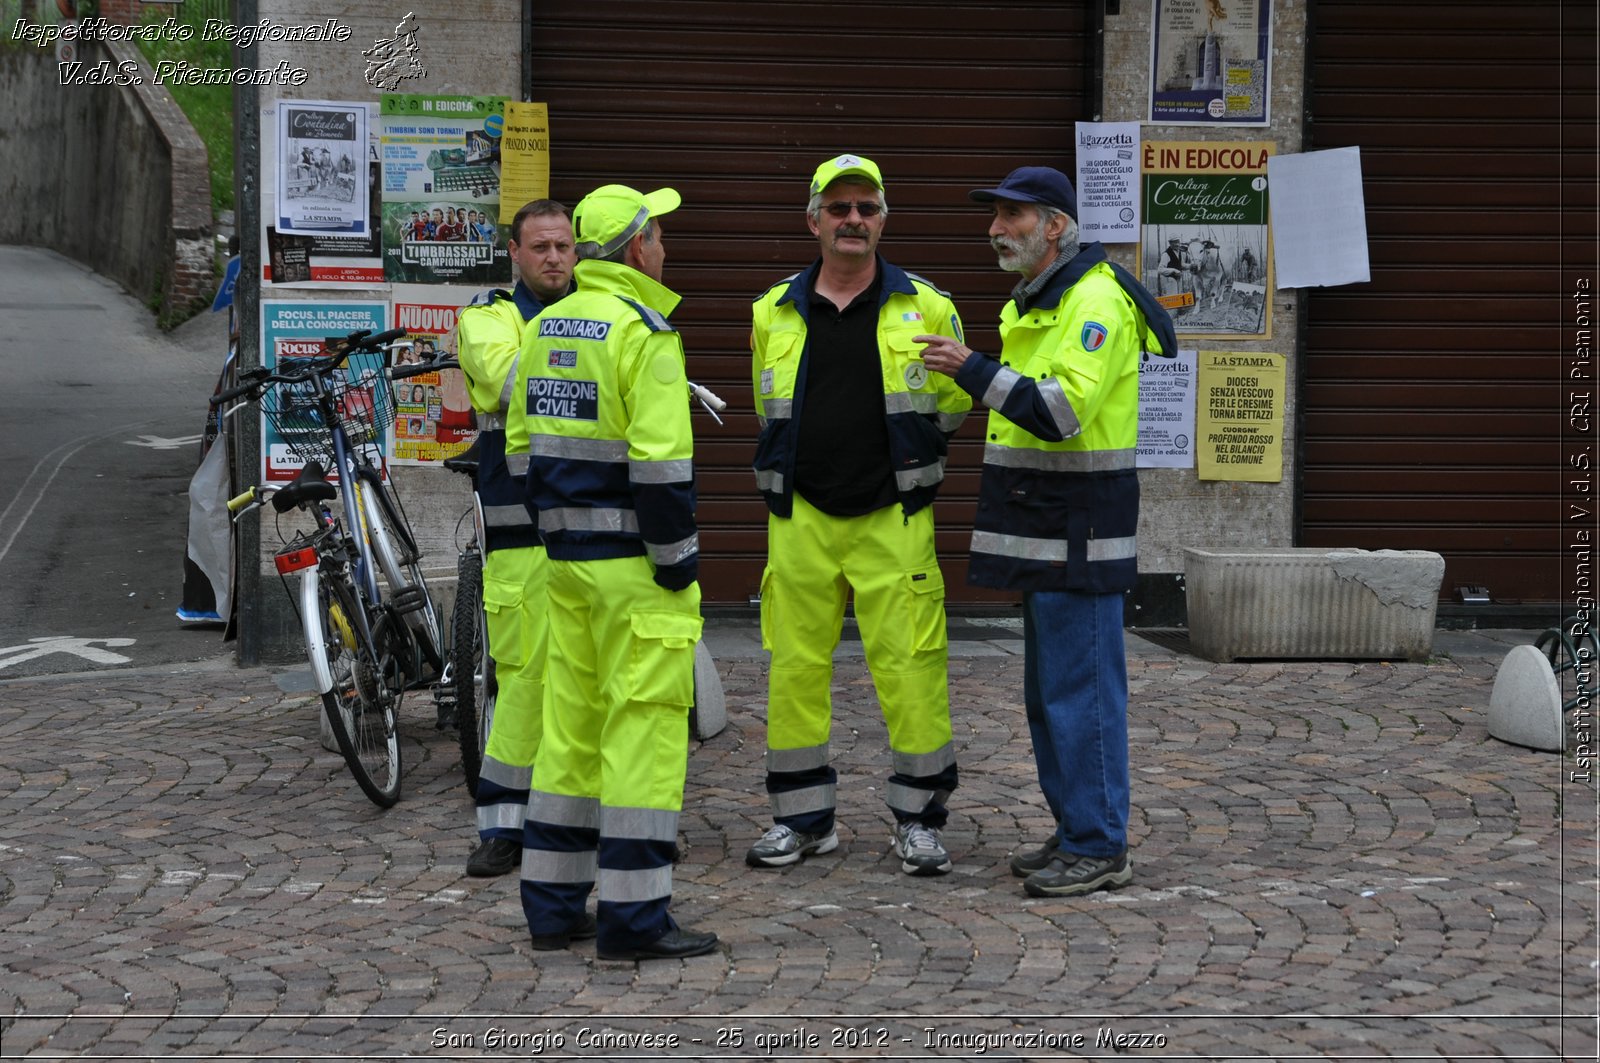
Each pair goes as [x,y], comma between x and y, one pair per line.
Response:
[357,397]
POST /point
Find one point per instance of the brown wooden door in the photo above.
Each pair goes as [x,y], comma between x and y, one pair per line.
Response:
[735,104]
[1434,397]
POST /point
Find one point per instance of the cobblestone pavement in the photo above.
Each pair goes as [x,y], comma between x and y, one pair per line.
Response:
[1333,860]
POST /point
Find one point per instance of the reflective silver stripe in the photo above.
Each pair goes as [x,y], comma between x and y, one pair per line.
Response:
[631,887]
[581,449]
[903,798]
[590,249]
[491,422]
[515,516]
[509,388]
[506,815]
[1113,549]
[1000,388]
[798,759]
[672,553]
[1058,460]
[650,824]
[927,476]
[911,402]
[564,810]
[579,518]
[653,317]
[1060,407]
[545,865]
[777,408]
[920,764]
[517,463]
[509,776]
[986,542]
[769,480]
[949,422]
[680,470]
[796,802]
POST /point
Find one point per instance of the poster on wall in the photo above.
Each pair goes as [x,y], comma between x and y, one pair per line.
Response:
[432,411]
[1210,62]
[441,190]
[1204,252]
[1166,412]
[1239,416]
[321,166]
[524,157]
[322,261]
[1108,181]
[293,333]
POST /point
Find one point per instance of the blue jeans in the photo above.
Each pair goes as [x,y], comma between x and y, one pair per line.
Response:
[1075,687]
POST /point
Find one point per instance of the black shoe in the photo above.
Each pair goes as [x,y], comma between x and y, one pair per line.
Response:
[675,944]
[494,857]
[582,930]
[1068,875]
[1025,864]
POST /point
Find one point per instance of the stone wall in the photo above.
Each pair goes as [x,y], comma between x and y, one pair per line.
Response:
[111,175]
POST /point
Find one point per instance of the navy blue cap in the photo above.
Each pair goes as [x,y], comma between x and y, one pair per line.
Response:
[1033,184]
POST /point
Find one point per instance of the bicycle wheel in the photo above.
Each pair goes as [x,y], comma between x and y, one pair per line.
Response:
[400,561]
[364,702]
[469,663]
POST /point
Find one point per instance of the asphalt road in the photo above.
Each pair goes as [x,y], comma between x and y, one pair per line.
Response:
[99,437]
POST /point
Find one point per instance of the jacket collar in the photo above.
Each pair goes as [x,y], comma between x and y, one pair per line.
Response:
[614,278]
[1060,277]
[529,304]
[891,279]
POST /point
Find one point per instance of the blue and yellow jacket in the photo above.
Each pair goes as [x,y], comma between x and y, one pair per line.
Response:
[923,409]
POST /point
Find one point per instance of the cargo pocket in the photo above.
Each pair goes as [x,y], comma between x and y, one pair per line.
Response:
[928,631]
[508,625]
[663,657]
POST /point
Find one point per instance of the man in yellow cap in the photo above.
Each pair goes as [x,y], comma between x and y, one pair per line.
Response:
[851,453]
[604,403]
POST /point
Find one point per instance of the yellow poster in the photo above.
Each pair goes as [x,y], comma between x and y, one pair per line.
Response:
[1239,416]
[524,158]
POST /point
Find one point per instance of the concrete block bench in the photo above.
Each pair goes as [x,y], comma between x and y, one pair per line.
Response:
[1309,602]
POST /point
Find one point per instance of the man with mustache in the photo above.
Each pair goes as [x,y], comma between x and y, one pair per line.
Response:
[1059,506]
[851,453]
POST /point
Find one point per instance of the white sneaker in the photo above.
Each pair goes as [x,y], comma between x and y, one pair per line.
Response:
[920,850]
[782,845]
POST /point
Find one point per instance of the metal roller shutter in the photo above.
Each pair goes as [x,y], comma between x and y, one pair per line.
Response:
[1433,397]
[735,104]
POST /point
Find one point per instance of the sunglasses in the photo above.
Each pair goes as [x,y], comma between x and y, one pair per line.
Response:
[842,210]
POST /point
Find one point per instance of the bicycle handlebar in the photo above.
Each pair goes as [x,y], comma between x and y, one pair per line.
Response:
[340,348]
[400,372]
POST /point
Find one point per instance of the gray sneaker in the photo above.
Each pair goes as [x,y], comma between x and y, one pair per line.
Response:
[783,845]
[1068,875]
[920,850]
[1026,863]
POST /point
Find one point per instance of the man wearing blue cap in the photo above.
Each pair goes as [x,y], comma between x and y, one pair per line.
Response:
[1059,507]
[603,404]
[851,453]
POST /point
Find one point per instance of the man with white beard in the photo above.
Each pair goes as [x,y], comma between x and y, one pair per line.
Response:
[1059,506]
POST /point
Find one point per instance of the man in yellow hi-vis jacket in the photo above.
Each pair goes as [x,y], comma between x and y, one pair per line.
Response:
[488,342]
[603,398]
[851,453]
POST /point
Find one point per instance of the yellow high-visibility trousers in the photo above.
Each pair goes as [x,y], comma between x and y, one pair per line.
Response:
[515,581]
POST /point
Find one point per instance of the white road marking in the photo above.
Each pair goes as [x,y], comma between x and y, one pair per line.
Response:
[75,445]
[43,647]
[162,443]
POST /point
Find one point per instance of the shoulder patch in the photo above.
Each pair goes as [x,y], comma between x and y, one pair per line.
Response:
[1093,336]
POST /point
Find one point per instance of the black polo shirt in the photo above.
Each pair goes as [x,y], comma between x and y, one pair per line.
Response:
[842,462]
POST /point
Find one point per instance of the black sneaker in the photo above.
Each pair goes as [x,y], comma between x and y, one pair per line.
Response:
[1068,875]
[494,857]
[1025,864]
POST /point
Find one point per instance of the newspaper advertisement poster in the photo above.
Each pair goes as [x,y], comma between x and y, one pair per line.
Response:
[1211,62]
[524,157]
[294,333]
[432,411]
[322,152]
[441,190]
[1108,182]
[1204,252]
[326,261]
[1239,416]
[1166,412]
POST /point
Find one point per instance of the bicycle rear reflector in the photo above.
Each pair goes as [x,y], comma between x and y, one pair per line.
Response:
[295,560]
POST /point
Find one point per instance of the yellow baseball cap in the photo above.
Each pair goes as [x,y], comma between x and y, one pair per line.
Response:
[845,166]
[611,215]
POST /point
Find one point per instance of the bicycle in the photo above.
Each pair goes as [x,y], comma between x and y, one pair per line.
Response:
[366,648]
